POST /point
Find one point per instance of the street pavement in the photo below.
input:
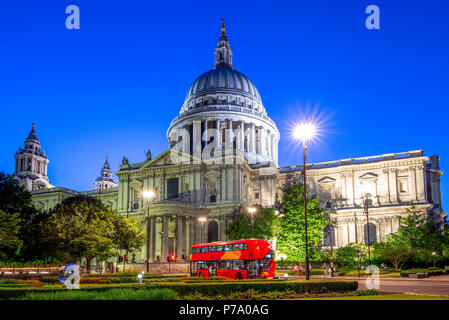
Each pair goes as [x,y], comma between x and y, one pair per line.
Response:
[438,285]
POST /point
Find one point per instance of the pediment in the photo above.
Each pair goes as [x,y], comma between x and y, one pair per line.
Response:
[326,180]
[212,175]
[161,159]
[368,176]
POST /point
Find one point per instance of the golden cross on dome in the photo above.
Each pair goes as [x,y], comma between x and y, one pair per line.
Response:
[223,28]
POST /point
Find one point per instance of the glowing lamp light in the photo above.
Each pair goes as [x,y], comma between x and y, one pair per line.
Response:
[252,210]
[148,194]
[304,131]
[202,219]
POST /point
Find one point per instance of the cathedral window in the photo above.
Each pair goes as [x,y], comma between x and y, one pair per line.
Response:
[329,235]
[256,195]
[372,234]
[212,231]
[172,188]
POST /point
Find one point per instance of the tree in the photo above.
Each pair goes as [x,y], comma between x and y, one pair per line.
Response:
[266,224]
[83,227]
[128,234]
[14,199]
[10,242]
[352,254]
[396,255]
[291,241]
[416,231]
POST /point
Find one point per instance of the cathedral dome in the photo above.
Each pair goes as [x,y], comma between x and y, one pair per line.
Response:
[223,80]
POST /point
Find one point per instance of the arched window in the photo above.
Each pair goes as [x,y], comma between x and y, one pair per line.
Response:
[372,234]
[329,235]
[212,231]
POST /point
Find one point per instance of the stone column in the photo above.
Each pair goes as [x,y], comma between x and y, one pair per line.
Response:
[185,139]
[412,177]
[205,137]
[191,231]
[350,188]
[179,243]
[393,185]
[420,185]
[242,136]
[260,143]
[229,138]
[196,139]
[252,141]
[165,244]
[153,238]
[387,195]
[219,141]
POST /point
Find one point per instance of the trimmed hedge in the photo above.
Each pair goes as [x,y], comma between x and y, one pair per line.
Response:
[223,288]
[207,288]
[431,271]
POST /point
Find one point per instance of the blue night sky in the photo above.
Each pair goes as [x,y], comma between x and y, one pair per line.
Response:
[112,87]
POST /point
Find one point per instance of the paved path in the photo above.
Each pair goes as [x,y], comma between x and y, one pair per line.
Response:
[434,285]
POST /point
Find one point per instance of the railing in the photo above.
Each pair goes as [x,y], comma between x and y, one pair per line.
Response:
[74,193]
[362,160]
[223,108]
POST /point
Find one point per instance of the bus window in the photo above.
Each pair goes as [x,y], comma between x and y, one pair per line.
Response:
[221,265]
[238,264]
[219,248]
[213,268]
[229,265]
[239,246]
[228,247]
[212,249]
[204,249]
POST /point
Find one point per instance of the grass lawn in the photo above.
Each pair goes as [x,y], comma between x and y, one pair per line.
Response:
[398,296]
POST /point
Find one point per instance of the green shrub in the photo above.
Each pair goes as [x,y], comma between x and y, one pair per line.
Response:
[52,280]
[9,281]
[112,294]
[367,292]
[214,288]
[118,280]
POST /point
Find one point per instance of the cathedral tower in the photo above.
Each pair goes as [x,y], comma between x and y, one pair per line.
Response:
[105,180]
[31,164]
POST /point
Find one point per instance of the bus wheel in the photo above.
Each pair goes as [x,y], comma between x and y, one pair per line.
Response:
[201,275]
[238,276]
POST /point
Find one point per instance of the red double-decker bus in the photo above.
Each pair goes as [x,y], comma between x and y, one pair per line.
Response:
[240,259]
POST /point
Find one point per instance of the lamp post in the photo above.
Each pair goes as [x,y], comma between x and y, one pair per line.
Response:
[252,211]
[304,132]
[366,203]
[331,229]
[202,220]
[148,194]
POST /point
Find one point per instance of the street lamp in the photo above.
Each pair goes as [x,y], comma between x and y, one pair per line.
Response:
[252,211]
[331,229]
[433,254]
[304,132]
[202,220]
[148,194]
[366,203]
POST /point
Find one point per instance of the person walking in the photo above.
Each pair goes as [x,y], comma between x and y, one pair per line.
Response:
[325,269]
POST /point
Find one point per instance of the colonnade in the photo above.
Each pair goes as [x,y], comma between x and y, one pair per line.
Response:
[233,135]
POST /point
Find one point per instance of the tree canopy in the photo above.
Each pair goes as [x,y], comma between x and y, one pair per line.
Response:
[84,227]
[291,240]
[266,224]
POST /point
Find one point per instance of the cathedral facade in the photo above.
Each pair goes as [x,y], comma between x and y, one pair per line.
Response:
[222,155]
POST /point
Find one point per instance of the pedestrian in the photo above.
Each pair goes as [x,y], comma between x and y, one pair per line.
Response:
[325,269]
[295,270]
